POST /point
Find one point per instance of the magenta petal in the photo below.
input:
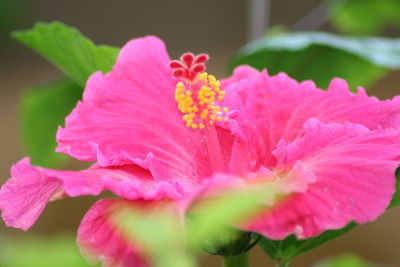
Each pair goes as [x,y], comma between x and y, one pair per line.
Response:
[129,116]
[24,196]
[275,108]
[240,74]
[355,179]
[100,241]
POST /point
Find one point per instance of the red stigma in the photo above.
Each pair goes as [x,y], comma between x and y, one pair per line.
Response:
[188,66]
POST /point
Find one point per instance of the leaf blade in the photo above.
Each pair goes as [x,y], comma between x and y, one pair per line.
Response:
[68,49]
[43,109]
[322,56]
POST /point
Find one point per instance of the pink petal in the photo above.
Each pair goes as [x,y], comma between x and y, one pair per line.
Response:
[129,116]
[24,196]
[101,241]
[240,73]
[355,179]
[274,108]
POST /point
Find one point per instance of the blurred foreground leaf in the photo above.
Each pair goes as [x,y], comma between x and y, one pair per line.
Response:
[159,233]
[323,56]
[173,243]
[43,110]
[365,16]
[65,47]
[347,260]
[286,249]
[59,251]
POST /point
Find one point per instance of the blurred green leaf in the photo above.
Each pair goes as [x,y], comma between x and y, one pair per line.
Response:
[365,16]
[322,56]
[43,110]
[347,260]
[172,243]
[211,220]
[286,249]
[159,233]
[60,251]
[65,47]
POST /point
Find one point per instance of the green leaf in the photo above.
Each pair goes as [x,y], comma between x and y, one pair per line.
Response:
[365,16]
[32,251]
[347,260]
[286,249]
[322,56]
[43,110]
[65,47]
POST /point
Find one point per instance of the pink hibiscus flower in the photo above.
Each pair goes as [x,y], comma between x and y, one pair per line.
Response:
[159,132]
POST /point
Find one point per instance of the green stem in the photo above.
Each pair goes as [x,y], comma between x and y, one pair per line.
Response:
[241,260]
[283,264]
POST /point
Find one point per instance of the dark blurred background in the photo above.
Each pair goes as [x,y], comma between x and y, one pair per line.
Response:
[216,27]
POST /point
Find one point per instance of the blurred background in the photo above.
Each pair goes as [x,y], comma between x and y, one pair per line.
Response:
[218,28]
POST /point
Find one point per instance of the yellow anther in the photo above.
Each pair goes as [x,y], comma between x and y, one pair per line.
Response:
[215,84]
[199,107]
[188,101]
[226,118]
[204,88]
[203,76]
[211,78]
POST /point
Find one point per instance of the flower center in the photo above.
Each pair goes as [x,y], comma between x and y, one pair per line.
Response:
[197,96]
[198,93]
